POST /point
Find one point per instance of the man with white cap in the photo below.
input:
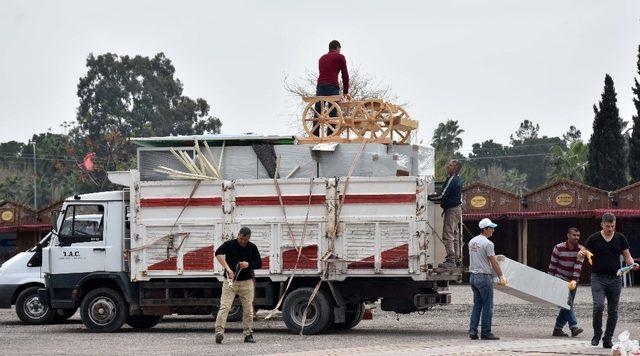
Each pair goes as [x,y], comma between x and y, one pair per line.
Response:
[482,265]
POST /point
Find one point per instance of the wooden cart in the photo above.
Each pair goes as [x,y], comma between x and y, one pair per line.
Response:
[331,119]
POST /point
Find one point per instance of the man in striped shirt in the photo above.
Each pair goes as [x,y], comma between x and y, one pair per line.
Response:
[566,265]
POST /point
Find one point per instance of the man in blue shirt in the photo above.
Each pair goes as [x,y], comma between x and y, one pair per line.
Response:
[450,199]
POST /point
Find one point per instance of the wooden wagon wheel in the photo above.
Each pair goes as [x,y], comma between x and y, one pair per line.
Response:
[321,124]
[369,120]
[399,132]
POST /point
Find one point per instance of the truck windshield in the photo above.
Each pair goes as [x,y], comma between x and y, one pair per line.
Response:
[82,223]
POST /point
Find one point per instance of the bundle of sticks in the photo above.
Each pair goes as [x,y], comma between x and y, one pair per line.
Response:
[198,167]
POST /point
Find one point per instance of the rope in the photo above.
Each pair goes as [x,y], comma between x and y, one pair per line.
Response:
[326,258]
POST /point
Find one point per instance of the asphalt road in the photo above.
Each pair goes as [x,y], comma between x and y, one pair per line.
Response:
[523,328]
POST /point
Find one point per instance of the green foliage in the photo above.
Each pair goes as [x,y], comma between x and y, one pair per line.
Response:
[567,162]
[446,137]
[606,158]
[120,97]
[634,139]
[527,131]
[572,135]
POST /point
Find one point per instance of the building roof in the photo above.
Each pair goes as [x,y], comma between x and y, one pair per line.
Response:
[213,140]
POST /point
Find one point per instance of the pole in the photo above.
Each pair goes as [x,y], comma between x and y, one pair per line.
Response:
[35,176]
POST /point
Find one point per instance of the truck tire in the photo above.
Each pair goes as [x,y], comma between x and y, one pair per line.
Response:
[143,321]
[64,314]
[352,317]
[103,310]
[235,313]
[30,310]
[319,314]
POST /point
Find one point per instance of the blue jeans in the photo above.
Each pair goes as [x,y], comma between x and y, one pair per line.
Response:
[482,286]
[567,315]
[610,288]
[325,90]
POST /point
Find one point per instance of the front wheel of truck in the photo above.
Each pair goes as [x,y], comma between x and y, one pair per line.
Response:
[104,310]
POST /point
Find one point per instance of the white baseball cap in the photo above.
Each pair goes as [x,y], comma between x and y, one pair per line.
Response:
[484,223]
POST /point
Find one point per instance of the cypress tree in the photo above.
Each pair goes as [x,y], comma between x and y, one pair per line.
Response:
[606,159]
[634,140]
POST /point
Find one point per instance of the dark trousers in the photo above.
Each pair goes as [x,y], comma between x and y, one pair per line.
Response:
[609,288]
[325,90]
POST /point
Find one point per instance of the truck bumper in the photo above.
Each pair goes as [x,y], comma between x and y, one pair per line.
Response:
[6,294]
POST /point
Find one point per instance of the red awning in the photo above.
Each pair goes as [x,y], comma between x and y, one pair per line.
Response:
[26,228]
[550,214]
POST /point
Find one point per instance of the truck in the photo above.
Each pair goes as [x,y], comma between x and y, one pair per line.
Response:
[348,224]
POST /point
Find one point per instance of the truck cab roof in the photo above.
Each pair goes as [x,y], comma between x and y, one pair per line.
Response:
[115,195]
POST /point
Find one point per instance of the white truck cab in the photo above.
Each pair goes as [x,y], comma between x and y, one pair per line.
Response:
[20,278]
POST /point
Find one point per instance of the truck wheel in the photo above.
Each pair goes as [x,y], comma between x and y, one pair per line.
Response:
[143,321]
[30,310]
[64,314]
[319,314]
[235,313]
[103,310]
[352,317]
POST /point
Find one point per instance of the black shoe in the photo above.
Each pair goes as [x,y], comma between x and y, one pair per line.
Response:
[595,340]
[606,343]
[447,264]
[249,339]
[473,337]
[219,337]
[489,337]
[559,332]
[575,331]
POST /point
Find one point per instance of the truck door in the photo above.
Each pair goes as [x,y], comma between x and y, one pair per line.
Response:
[80,246]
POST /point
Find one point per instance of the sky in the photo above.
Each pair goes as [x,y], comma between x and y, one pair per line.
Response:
[489,64]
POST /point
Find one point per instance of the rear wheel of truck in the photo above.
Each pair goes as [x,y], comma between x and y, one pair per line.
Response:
[30,310]
[103,310]
[352,316]
[319,313]
[64,314]
[143,321]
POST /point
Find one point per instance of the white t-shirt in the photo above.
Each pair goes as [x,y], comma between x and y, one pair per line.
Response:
[480,248]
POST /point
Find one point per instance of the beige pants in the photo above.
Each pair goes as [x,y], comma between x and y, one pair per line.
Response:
[450,232]
[245,291]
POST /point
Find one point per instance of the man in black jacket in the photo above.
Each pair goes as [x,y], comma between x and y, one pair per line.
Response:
[239,257]
[451,202]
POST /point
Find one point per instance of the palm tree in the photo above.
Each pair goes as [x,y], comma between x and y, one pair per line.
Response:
[567,162]
[446,137]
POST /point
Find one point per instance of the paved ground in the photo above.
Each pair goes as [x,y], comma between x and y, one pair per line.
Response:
[523,327]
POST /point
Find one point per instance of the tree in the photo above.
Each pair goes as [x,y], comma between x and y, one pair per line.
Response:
[606,159]
[446,137]
[514,181]
[567,162]
[634,140]
[527,131]
[493,175]
[122,97]
[572,135]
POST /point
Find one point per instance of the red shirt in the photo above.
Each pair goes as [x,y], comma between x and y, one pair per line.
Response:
[329,65]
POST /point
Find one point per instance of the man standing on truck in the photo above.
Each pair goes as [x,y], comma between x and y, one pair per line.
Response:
[450,199]
[240,258]
[606,246]
[566,265]
[329,65]
[482,264]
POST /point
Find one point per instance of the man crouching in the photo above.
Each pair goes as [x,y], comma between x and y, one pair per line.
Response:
[240,258]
